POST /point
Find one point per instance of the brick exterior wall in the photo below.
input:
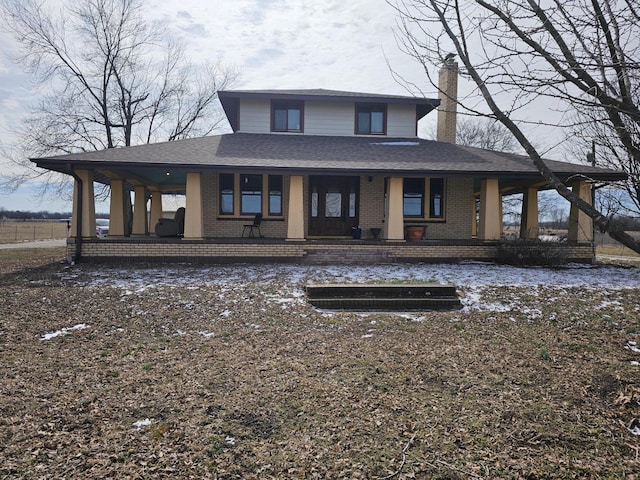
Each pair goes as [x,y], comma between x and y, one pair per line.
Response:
[371,205]
[346,251]
[458,212]
[217,226]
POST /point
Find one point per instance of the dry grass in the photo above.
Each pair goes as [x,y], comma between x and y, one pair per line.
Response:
[17,231]
[237,383]
[615,249]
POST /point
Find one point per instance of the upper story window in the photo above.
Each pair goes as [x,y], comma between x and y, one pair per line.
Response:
[287,116]
[371,119]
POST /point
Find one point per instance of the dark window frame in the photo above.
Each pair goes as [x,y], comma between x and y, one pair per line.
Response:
[432,188]
[223,179]
[237,192]
[251,188]
[287,105]
[370,108]
[273,193]
[421,195]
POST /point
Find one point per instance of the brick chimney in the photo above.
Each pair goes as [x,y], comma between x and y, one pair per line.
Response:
[448,86]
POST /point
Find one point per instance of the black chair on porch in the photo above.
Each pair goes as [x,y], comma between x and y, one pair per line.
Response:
[253,226]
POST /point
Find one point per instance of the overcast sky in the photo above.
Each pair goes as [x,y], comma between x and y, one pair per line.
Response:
[276,44]
[332,44]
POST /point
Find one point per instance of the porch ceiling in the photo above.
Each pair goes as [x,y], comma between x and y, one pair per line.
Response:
[166,179]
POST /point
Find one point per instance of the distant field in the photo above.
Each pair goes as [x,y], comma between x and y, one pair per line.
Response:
[19,231]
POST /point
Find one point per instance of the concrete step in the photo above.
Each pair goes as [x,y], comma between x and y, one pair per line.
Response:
[384,296]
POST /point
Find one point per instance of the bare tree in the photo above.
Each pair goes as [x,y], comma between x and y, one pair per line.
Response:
[109,78]
[592,133]
[582,55]
[485,133]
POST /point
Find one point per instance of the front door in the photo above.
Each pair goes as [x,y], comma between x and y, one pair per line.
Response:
[333,205]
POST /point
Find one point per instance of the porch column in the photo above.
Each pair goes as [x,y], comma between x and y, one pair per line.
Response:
[489,228]
[529,215]
[193,227]
[295,220]
[156,209]
[394,222]
[140,211]
[88,213]
[117,207]
[580,224]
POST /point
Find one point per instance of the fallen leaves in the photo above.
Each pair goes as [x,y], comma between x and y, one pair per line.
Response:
[243,379]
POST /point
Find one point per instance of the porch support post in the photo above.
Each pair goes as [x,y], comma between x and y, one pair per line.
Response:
[193,227]
[88,213]
[156,209]
[529,215]
[140,211]
[580,224]
[394,224]
[295,221]
[489,228]
[117,209]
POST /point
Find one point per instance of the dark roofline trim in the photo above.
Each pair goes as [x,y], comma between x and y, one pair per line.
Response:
[330,95]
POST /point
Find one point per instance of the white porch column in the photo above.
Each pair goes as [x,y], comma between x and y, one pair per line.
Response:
[394,221]
[580,224]
[193,226]
[489,227]
[295,220]
[88,213]
[529,215]
[140,211]
[117,207]
[156,209]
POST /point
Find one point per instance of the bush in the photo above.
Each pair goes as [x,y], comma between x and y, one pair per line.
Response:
[527,252]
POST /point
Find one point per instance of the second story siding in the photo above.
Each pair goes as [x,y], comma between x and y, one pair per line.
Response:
[325,118]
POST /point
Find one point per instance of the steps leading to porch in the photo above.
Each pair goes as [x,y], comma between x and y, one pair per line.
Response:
[401,297]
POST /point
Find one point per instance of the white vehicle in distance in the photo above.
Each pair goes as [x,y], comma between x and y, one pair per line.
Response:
[102,227]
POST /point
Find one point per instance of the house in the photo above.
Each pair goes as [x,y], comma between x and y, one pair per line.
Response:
[335,176]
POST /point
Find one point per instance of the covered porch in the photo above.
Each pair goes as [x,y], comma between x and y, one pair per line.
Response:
[312,192]
[287,237]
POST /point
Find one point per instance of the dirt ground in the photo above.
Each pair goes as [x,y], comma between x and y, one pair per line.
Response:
[244,379]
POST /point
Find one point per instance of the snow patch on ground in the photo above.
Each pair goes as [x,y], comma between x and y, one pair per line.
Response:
[142,423]
[470,278]
[64,331]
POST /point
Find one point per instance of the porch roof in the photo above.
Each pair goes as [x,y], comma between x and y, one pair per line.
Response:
[307,154]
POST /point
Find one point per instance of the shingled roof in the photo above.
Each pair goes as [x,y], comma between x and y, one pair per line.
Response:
[307,154]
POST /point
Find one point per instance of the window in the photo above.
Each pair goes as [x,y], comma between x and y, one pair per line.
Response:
[226,193]
[436,197]
[251,188]
[275,194]
[418,190]
[371,119]
[413,195]
[242,194]
[287,116]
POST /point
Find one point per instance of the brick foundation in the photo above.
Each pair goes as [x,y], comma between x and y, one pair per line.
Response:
[312,252]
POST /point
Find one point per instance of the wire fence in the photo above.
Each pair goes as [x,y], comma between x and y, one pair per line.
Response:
[18,231]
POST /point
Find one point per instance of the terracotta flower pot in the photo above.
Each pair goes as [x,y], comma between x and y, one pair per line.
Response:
[414,234]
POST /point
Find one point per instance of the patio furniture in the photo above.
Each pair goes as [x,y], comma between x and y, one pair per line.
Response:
[171,227]
[251,226]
